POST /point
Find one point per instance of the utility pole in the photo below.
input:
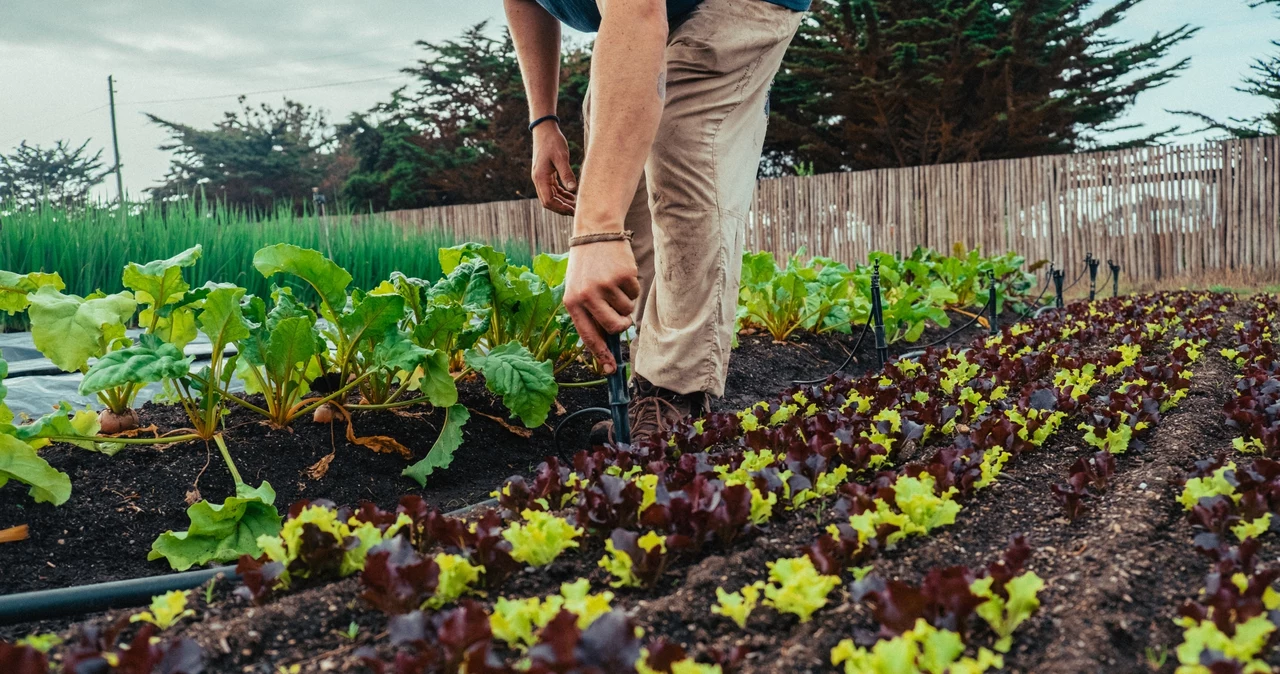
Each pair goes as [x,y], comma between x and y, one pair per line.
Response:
[115,144]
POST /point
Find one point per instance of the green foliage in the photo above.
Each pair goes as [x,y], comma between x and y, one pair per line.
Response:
[1005,613]
[924,649]
[281,355]
[441,454]
[796,587]
[878,83]
[160,288]
[68,240]
[298,534]
[817,296]
[19,462]
[1216,484]
[14,288]
[257,157]
[457,576]
[69,329]
[457,135]
[165,610]
[528,387]
[737,606]
[150,360]
[221,533]
[1204,638]
[540,538]
[620,565]
[61,174]
[518,621]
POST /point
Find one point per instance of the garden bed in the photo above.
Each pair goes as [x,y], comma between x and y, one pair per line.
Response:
[1114,577]
[122,503]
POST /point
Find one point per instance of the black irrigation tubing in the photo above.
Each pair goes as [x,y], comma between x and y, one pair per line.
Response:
[847,359]
[986,306]
[1033,305]
[67,602]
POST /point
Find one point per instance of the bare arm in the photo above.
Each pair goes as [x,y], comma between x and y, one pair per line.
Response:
[537,40]
[627,90]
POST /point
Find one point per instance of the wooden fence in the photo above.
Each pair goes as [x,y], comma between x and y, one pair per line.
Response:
[1158,212]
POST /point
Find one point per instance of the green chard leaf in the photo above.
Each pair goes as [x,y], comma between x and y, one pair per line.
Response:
[321,273]
[14,288]
[527,386]
[222,318]
[150,360]
[69,329]
[441,454]
[221,533]
[20,462]
[551,268]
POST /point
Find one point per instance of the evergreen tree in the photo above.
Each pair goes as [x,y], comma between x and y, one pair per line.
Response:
[886,83]
[257,157]
[61,173]
[1264,82]
[458,135]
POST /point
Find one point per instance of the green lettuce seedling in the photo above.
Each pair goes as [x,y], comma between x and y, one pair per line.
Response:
[518,621]
[1200,638]
[1216,484]
[737,606]
[1005,614]
[796,587]
[540,538]
[457,575]
[924,649]
[166,610]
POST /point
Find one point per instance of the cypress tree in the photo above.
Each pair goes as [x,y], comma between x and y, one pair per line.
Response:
[889,83]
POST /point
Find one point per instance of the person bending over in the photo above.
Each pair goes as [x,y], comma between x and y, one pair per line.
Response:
[675,118]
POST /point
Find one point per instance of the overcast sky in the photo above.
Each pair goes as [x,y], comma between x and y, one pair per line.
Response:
[56,57]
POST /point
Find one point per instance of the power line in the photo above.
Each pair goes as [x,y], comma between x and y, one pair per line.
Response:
[263,91]
[285,63]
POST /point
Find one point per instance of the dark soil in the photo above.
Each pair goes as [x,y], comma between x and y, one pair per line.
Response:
[121,503]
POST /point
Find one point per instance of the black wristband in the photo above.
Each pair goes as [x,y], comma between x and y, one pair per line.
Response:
[543,119]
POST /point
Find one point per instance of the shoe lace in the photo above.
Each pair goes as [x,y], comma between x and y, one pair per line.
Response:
[649,414]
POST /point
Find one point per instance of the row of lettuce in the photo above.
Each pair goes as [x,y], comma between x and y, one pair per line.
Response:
[717,481]
[1234,624]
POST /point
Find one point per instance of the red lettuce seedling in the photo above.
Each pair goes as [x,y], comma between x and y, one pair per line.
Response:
[95,650]
[22,660]
[397,579]
[1071,495]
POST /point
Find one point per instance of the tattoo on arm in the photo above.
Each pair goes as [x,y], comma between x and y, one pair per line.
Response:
[662,86]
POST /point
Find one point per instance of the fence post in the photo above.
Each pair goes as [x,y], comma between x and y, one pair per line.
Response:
[1093,263]
[877,316]
[1058,275]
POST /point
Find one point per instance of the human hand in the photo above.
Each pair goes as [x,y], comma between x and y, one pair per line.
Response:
[601,286]
[552,174]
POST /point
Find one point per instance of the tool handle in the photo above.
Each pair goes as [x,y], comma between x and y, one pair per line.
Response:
[619,400]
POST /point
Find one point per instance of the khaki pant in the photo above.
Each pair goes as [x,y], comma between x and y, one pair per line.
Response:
[691,206]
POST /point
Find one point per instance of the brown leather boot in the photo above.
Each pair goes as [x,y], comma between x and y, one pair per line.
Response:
[653,411]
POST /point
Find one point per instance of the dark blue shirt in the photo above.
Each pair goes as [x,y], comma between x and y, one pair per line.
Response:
[583,15]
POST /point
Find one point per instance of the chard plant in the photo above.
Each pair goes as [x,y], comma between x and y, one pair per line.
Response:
[816,296]
[369,351]
[70,330]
